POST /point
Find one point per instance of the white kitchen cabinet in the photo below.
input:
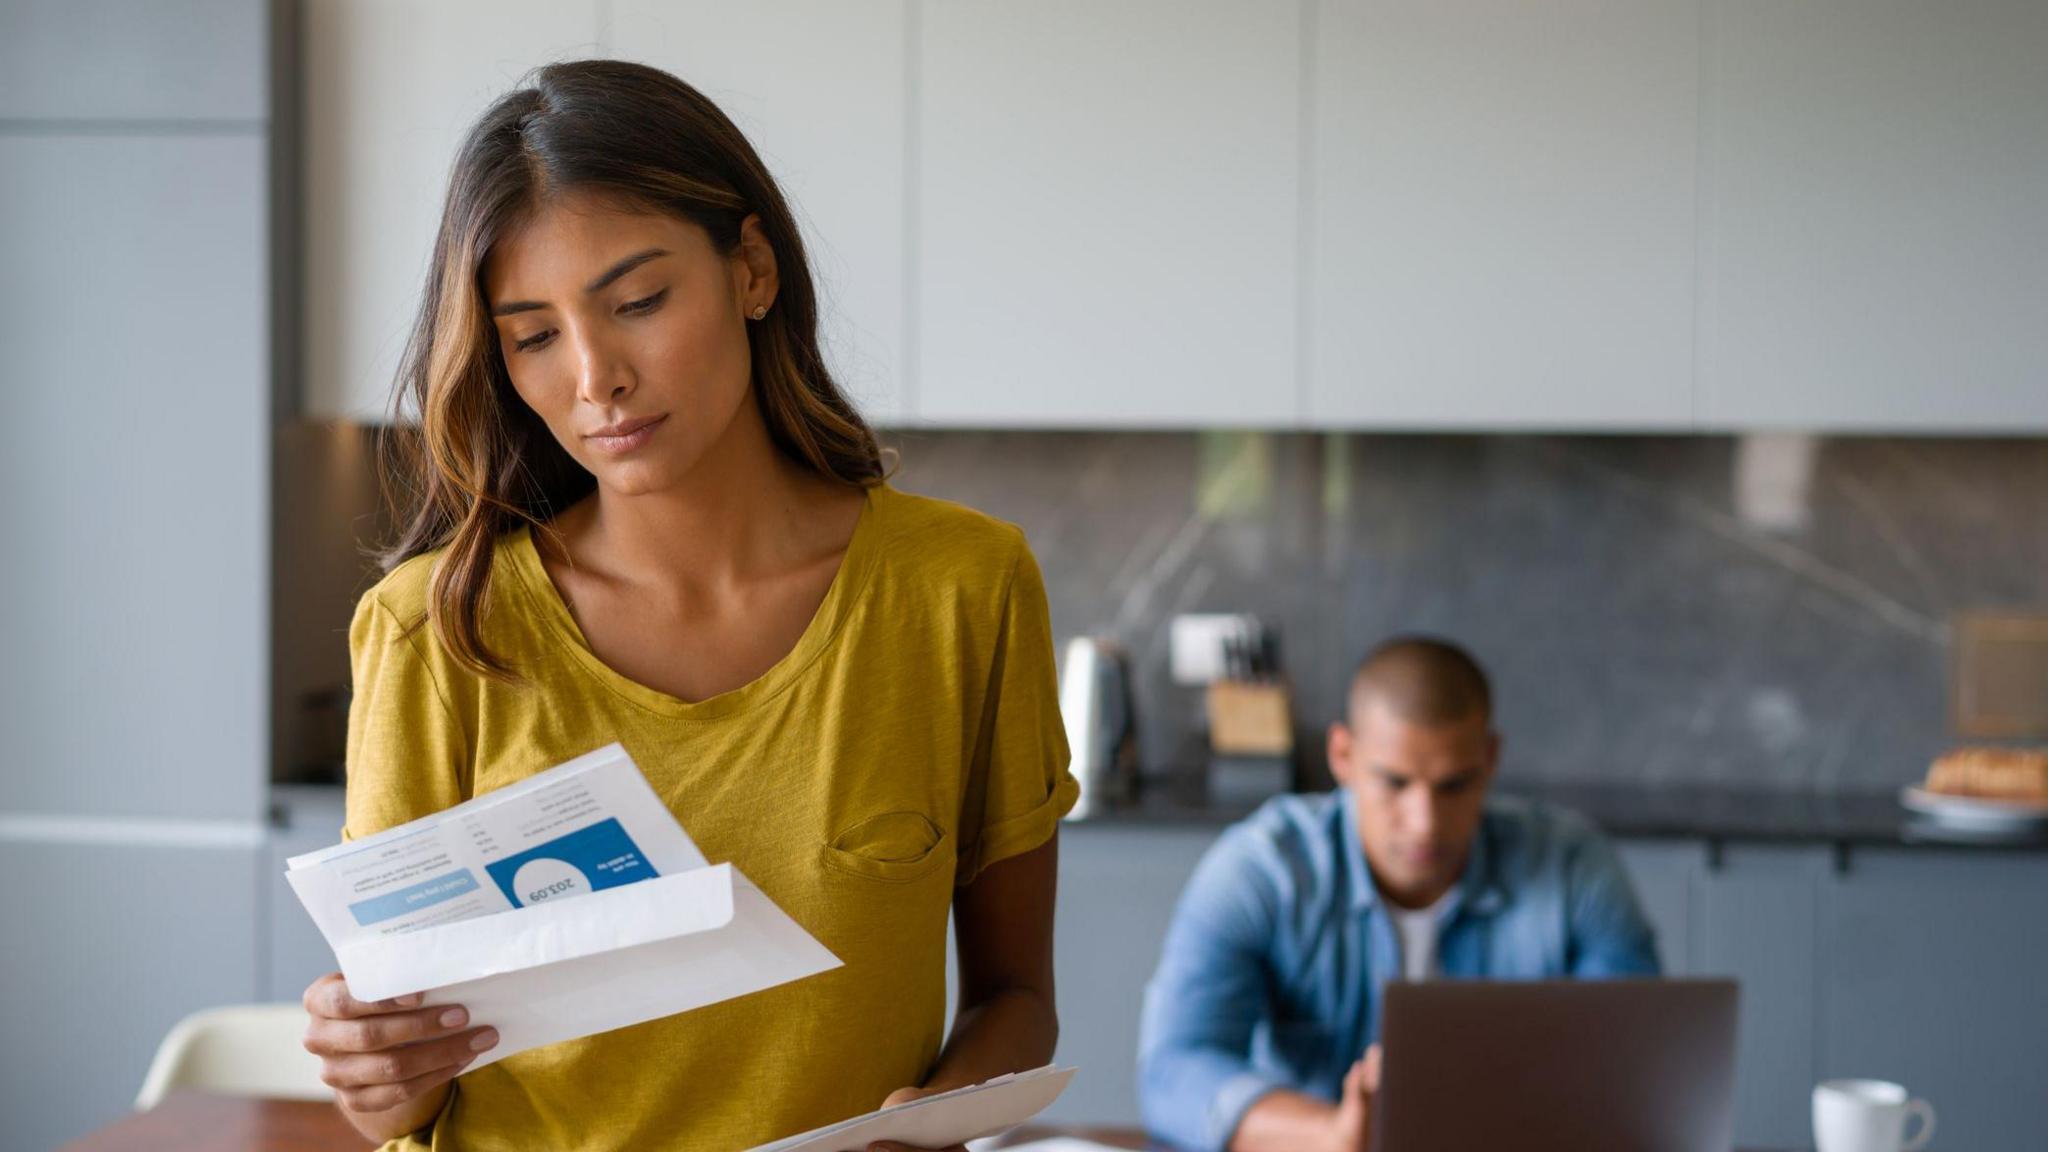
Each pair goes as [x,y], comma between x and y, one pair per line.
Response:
[1107,204]
[156,62]
[1713,215]
[820,89]
[136,441]
[1874,246]
[1503,222]
[390,88]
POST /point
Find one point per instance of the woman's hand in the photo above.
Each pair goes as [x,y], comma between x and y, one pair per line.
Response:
[382,1055]
[905,1096]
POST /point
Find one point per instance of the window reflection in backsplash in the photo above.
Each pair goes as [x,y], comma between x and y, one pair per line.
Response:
[1762,610]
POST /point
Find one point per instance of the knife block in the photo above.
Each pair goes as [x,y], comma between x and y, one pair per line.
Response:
[1250,718]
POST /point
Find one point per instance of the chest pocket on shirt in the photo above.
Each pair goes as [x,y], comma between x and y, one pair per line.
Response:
[894,847]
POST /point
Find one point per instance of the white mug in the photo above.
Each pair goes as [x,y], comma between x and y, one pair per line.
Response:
[1868,1116]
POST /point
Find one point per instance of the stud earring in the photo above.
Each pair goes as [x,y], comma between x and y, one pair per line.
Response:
[760,310]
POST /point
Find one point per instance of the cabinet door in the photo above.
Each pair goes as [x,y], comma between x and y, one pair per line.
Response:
[1503,229]
[107,945]
[390,87]
[1753,920]
[1118,889]
[136,446]
[820,89]
[306,818]
[122,60]
[1663,873]
[1935,981]
[1875,253]
[1107,201]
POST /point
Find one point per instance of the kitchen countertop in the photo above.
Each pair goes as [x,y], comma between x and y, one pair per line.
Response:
[1649,812]
[1624,811]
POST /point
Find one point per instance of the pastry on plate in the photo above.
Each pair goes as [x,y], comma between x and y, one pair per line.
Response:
[1992,774]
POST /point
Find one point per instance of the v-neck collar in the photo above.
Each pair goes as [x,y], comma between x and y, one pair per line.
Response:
[553,612]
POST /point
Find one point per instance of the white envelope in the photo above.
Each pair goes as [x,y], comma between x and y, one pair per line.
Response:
[540,973]
[559,971]
[986,1109]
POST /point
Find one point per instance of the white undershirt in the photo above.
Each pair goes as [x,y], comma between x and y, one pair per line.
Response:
[1417,933]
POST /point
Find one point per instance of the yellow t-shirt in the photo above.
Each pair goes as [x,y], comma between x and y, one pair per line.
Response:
[909,740]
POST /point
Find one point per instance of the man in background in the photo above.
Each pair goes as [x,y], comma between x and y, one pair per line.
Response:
[1261,1023]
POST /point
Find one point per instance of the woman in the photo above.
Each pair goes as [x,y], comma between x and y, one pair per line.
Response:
[641,510]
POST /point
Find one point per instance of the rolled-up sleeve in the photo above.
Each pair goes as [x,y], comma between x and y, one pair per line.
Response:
[1020,784]
[1195,1077]
[1610,935]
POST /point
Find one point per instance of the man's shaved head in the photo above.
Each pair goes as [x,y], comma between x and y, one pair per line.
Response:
[1421,680]
[1417,752]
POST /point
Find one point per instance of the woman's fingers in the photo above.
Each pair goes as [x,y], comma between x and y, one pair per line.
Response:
[340,1037]
[379,1054]
[328,996]
[383,1097]
[394,1067]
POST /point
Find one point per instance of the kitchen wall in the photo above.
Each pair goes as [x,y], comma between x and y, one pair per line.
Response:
[1758,611]
[1769,611]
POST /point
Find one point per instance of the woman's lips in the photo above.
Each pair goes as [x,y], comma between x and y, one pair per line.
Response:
[618,445]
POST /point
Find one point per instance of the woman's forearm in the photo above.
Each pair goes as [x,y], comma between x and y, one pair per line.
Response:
[1011,1031]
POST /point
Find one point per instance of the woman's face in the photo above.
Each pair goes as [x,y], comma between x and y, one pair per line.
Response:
[626,331]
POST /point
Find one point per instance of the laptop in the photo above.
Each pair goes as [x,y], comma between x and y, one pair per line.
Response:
[1619,1066]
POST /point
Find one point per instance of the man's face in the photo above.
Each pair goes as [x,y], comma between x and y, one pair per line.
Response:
[1420,791]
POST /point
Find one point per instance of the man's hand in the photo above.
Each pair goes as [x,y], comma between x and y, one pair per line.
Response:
[905,1096]
[1284,1120]
[1351,1125]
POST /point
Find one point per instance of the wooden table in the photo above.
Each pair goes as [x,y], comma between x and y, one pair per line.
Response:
[195,1121]
[191,1121]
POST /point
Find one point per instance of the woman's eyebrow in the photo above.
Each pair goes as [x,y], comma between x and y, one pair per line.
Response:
[610,274]
[622,267]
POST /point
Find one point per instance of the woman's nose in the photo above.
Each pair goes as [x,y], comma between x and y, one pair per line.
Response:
[602,377]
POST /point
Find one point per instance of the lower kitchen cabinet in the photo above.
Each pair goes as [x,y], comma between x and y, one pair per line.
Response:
[304,819]
[106,946]
[1935,974]
[1753,919]
[1118,888]
[1662,873]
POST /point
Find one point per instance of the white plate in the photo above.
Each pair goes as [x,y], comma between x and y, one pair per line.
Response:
[1975,813]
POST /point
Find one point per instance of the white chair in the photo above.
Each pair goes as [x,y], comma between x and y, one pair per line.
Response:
[239,1050]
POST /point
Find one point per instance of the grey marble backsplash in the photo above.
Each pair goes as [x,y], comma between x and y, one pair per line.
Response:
[1767,611]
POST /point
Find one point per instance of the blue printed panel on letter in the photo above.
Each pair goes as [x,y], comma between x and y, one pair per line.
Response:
[420,895]
[586,860]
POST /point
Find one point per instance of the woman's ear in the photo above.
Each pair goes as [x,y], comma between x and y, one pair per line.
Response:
[755,271]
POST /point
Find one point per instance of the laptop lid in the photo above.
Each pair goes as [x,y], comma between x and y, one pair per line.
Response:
[1622,1066]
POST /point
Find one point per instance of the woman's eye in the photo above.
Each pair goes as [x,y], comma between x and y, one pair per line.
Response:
[645,304]
[534,341]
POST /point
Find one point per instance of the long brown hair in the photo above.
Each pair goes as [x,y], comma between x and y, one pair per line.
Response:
[481,461]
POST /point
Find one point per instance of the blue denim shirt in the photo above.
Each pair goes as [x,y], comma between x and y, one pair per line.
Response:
[1272,971]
